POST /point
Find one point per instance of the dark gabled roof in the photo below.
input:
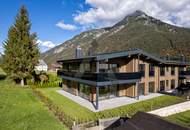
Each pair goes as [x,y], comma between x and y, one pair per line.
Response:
[145,121]
[105,56]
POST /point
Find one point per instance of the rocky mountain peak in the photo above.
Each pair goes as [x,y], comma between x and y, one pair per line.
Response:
[135,14]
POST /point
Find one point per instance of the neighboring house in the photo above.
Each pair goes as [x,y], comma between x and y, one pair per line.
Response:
[41,66]
[128,73]
[144,121]
[54,67]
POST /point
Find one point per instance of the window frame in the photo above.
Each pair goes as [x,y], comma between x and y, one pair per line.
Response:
[162,71]
[172,70]
[151,72]
[142,70]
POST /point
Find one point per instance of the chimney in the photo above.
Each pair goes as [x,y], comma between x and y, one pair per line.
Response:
[78,52]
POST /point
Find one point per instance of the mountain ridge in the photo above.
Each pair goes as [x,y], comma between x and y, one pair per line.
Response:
[137,30]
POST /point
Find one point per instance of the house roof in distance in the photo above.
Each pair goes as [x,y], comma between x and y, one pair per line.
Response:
[131,52]
[41,63]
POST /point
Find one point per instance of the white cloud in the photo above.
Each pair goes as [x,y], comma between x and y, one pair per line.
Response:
[64,26]
[105,13]
[47,44]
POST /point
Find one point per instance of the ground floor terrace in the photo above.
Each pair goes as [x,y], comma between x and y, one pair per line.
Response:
[95,87]
[109,103]
[123,88]
[97,98]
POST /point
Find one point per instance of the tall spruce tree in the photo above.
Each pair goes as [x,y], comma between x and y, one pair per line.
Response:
[21,51]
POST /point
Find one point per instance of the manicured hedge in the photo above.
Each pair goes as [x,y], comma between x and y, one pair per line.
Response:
[47,84]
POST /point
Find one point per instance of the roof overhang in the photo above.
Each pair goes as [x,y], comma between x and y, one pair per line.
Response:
[120,54]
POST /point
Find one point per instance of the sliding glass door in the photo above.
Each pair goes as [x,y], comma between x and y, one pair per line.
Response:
[107,92]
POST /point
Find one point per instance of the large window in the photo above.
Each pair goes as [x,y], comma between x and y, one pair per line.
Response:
[141,89]
[113,67]
[151,70]
[172,83]
[108,68]
[142,69]
[162,71]
[84,91]
[85,67]
[74,67]
[181,69]
[167,83]
[69,86]
[172,70]
[106,92]
[162,85]
[69,83]
[65,67]
[151,87]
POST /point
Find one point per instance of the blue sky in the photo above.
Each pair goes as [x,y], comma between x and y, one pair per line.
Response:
[44,14]
[58,20]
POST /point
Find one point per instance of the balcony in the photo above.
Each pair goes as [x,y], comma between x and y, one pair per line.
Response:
[101,79]
[184,74]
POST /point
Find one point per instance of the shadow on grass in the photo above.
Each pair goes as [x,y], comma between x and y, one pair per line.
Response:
[2,76]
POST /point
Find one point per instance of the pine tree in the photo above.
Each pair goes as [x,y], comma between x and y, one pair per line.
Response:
[21,51]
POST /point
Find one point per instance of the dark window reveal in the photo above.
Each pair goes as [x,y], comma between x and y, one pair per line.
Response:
[162,71]
[151,87]
[151,70]
[142,69]
[172,70]
[162,85]
[172,84]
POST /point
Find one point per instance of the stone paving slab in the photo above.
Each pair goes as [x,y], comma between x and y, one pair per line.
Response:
[108,103]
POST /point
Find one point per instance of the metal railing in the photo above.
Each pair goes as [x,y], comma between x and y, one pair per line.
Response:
[101,77]
[184,73]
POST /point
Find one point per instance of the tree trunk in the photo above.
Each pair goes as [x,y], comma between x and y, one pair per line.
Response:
[22,82]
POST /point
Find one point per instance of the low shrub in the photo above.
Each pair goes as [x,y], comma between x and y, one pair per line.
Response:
[45,80]
[47,84]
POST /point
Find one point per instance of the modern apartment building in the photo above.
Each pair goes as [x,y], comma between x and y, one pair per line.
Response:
[128,73]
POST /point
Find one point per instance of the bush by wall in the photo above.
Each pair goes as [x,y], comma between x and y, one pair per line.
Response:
[44,80]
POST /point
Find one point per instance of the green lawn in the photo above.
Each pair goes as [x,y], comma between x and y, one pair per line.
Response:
[74,110]
[2,74]
[182,118]
[21,110]
[79,112]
